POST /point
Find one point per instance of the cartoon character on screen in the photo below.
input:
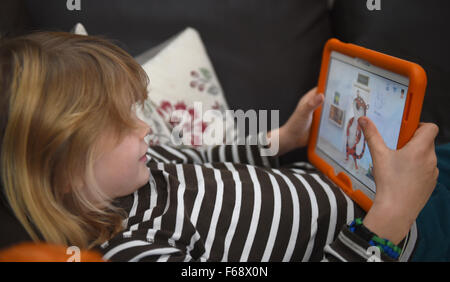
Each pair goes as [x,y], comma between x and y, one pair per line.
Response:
[354,131]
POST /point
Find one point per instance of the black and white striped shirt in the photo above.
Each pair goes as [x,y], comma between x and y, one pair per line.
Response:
[229,203]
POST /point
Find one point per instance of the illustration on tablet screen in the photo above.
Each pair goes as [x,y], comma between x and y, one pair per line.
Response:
[354,131]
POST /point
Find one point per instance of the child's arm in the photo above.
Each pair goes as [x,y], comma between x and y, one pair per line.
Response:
[295,132]
[405,179]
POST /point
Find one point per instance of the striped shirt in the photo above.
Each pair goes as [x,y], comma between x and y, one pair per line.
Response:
[230,203]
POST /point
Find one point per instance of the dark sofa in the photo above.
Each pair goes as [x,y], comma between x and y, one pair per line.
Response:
[266,52]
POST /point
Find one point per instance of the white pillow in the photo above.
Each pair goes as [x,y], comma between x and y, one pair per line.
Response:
[182,77]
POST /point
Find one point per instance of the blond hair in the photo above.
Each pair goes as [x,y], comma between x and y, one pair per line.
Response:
[58,93]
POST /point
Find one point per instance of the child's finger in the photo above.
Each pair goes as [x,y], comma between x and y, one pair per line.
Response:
[372,136]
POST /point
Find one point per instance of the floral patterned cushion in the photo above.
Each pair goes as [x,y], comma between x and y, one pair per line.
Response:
[183,86]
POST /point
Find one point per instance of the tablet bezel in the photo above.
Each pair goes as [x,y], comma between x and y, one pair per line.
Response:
[410,121]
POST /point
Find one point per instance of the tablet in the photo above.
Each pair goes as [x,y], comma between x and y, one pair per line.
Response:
[360,82]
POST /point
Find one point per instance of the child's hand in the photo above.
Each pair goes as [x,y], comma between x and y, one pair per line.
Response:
[295,132]
[404,178]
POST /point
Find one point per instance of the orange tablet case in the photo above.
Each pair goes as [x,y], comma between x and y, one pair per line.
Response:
[411,113]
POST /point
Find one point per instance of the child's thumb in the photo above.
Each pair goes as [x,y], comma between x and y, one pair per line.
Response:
[372,136]
[313,102]
[317,101]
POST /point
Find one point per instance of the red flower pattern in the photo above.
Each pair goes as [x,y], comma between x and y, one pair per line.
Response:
[194,127]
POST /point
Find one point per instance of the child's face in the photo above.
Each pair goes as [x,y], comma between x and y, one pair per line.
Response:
[121,169]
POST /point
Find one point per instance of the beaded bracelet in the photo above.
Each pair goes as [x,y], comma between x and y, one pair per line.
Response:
[384,245]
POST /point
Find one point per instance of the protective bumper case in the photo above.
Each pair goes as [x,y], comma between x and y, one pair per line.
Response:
[411,115]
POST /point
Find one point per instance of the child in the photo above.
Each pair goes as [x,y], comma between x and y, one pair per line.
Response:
[76,171]
[64,99]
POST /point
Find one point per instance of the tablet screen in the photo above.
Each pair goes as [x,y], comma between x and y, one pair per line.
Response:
[356,88]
